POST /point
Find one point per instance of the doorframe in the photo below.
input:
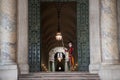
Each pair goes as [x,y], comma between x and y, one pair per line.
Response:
[94,26]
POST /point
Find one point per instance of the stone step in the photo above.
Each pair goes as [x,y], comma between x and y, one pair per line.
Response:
[59,76]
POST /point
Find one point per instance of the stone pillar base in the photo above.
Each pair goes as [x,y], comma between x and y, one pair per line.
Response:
[109,72]
[8,72]
[94,68]
[23,68]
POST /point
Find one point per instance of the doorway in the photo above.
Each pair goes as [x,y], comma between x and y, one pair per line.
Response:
[42,39]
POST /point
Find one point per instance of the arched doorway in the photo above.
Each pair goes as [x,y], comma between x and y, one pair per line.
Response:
[54,63]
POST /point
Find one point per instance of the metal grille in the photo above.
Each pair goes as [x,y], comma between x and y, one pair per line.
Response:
[83,35]
[34,35]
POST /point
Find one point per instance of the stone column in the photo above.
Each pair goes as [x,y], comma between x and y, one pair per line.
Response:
[49,66]
[8,67]
[95,51]
[110,68]
[66,60]
[22,28]
[66,66]
[53,66]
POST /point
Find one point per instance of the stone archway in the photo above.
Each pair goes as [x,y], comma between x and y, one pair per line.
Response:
[51,57]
